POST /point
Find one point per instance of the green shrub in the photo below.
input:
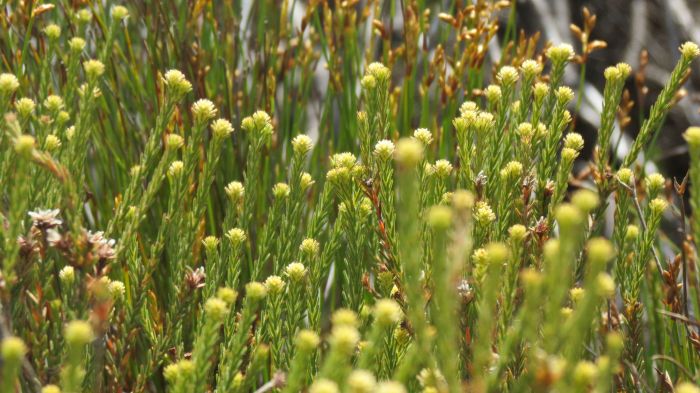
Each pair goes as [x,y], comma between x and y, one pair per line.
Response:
[426,236]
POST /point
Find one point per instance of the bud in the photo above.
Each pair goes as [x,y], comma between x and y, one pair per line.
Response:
[67,275]
[599,251]
[302,144]
[387,312]
[227,294]
[53,103]
[280,190]
[235,190]
[93,68]
[25,106]
[295,271]
[52,31]
[255,290]
[493,93]
[390,387]
[261,120]
[531,68]
[171,372]
[76,45]
[203,110]
[70,132]
[574,141]
[343,316]
[361,381]
[496,253]
[343,160]
[78,333]
[175,169]
[692,136]
[216,309]
[654,183]
[626,176]
[384,149]
[8,84]
[50,389]
[84,16]
[344,338]
[484,122]
[686,387]
[135,170]
[507,75]
[560,53]
[310,247]
[116,289]
[442,168]
[568,154]
[540,90]
[307,340]
[424,136]
[689,50]
[586,200]
[585,373]
[274,285]
[440,217]
[531,278]
[221,128]
[62,117]
[605,285]
[658,206]
[568,216]
[517,233]
[174,141]
[612,73]
[119,12]
[323,385]
[379,71]
[566,312]
[564,95]
[462,200]
[409,152]
[368,82]
[512,170]
[525,131]
[237,236]
[483,214]
[12,349]
[576,294]
[210,243]
[24,145]
[632,233]
[176,83]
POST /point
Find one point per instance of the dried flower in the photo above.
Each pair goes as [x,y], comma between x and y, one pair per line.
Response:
[45,219]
